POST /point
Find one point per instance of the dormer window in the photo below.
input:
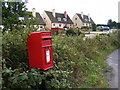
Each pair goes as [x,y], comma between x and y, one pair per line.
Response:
[21,18]
[65,19]
[59,19]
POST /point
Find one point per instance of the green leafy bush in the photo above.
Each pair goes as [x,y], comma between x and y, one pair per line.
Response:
[71,31]
[15,65]
[94,27]
[78,63]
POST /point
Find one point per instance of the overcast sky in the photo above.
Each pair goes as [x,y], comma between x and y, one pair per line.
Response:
[100,10]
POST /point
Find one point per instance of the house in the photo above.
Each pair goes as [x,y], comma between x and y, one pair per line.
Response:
[57,21]
[81,20]
[33,18]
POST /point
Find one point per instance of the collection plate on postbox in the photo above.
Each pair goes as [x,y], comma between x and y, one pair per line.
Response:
[40,50]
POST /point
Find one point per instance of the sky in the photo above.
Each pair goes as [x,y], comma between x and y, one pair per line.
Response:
[100,10]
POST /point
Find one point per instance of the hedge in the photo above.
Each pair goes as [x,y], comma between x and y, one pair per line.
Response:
[78,63]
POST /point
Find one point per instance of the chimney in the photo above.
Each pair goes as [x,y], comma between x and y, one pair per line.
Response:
[53,12]
[34,12]
[65,14]
[82,14]
[89,16]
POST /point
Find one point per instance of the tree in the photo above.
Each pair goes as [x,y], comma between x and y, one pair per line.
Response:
[94,27]
[109,21]
[112,24]
[10,13]
[118,25]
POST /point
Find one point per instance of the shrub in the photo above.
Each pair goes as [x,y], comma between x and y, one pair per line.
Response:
[16,72]
[84,27]
[70,31]
[78,63]
[94,27]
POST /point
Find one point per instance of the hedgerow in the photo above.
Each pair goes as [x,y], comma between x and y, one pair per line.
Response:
[78,63]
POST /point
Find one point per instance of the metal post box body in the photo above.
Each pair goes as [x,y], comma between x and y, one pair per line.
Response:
[40,50]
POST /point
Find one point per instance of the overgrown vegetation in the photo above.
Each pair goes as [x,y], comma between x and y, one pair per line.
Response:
[11,11]
[94,27]
[78,63]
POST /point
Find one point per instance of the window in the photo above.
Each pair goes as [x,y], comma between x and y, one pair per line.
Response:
[41,27]
[65,19]
[59,19]
[75,18]
[44,18]
[76,24]
[59,25]
[53,24]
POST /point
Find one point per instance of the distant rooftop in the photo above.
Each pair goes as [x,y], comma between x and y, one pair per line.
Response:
[59,16]
[85,19]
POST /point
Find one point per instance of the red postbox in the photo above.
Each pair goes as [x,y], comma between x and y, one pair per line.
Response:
[40,50]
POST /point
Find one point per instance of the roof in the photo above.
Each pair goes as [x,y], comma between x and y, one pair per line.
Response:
[85,19]
[38,19]
[58,15]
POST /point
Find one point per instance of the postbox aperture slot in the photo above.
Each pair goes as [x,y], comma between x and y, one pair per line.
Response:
[46,38]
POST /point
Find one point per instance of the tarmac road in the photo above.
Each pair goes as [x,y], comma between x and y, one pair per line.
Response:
[113,60]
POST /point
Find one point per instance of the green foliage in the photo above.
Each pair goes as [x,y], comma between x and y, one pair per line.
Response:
[118,25]
[94,27]
[78,63]
[15,66]
[10,13]
[85,28]
[112,24]
[71,31]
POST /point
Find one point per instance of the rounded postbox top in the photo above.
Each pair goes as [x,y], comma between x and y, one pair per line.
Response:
[44,33]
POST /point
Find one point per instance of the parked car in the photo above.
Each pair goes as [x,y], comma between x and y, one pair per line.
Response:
[103,28]
[106,28]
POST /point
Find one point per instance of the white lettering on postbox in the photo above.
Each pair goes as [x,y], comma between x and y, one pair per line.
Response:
[48,55]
